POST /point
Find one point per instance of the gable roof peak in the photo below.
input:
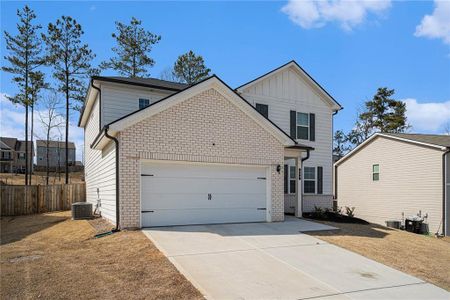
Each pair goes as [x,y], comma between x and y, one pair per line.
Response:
[333,102]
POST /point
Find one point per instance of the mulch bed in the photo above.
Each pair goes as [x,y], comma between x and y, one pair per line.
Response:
[334,217]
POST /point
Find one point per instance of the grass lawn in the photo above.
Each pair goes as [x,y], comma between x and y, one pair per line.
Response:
[49,256]
[40,178]
[425,257]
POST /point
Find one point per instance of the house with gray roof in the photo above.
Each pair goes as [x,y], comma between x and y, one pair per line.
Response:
[395,176]
[161,153]
[12,155]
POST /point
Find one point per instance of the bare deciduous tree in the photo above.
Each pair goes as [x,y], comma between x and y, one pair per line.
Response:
[50,119]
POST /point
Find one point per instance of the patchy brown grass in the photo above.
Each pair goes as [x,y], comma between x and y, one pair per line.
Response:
[40,178]
[422,256]
[49,256]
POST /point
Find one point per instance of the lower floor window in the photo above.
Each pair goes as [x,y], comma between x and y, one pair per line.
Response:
[289,179]
[309,180]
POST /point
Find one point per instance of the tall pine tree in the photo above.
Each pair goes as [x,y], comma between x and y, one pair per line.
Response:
[71,62]
[134,44]
[385,114]
[190,68]
[381,114]
[25,55]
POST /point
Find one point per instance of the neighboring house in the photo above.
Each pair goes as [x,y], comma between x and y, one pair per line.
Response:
[395,176]
[56,153]
[163,153]
[12,156]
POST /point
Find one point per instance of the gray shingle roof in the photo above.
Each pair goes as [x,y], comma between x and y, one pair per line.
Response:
[434,139]
[151,82]
[8,142]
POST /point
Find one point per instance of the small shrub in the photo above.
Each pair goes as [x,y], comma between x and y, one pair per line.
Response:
[318,212]
[337,210]
[350,211]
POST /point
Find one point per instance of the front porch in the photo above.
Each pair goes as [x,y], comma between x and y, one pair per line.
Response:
[293,164]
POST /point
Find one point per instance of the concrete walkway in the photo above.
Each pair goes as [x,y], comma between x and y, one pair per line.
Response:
[278,261]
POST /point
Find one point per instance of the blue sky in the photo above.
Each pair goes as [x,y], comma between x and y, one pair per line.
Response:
[350,48]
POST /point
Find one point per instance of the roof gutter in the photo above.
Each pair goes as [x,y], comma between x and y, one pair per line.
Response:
[99,103]
[444,190]
[116,142]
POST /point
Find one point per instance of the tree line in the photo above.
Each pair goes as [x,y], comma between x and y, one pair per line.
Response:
[380,114]
[60,48]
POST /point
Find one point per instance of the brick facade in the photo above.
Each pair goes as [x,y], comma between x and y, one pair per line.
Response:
[204,128]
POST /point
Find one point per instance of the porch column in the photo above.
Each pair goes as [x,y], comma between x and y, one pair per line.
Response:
[298,192]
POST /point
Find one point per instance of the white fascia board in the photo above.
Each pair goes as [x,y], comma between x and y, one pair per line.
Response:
[89,102]
[179,97]
[368,140]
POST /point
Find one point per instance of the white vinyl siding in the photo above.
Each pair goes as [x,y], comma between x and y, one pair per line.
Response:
[286,91]
[410,181]
[100,169]
[118,100]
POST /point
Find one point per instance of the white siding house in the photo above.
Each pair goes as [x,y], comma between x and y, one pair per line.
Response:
[395,176]
[205,153]
[288,89]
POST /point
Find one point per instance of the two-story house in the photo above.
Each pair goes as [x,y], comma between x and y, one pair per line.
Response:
[56,154]
[12,155]
[161,153]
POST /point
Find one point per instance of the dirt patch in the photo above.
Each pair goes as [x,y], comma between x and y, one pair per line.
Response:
[52,257]
[101,225]
[422,256]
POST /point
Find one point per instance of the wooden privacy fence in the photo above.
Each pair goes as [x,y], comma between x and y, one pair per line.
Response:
[19,200]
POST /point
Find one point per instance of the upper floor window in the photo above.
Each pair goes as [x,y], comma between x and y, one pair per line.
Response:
[263,109]
[302,126]
[143,103]
[375,172]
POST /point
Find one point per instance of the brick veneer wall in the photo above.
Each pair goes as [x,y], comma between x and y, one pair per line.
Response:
[204,128]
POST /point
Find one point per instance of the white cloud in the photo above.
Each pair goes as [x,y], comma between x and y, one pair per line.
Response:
[12,120]
[427,117]
[315,14]
[436,25]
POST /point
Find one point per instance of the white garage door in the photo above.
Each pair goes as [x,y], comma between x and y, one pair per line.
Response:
[181,194]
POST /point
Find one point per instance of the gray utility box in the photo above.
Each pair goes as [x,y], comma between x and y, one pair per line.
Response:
[393,224]
[81,211]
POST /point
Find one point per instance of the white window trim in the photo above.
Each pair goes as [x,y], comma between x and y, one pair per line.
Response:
[315,180]
[373,172]
[297,125]
[291,179]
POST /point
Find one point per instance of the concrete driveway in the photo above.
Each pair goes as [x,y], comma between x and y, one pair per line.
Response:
[278,261]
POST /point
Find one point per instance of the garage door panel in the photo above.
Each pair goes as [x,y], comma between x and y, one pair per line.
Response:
[178,194]
[201,171]
[159,185]
[237,185]
[196,201]
[170,217]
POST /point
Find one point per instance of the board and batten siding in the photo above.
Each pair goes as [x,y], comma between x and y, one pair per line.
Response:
[100,169]
[285,91]
[119,100]
[410,181]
